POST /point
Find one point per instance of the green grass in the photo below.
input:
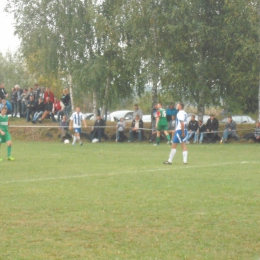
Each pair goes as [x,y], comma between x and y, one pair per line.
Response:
[118,201]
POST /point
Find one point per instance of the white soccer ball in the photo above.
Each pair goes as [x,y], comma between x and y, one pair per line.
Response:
[66,141]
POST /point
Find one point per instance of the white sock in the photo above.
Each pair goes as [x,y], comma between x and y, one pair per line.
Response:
[185,156]
[172,153]
[74,139]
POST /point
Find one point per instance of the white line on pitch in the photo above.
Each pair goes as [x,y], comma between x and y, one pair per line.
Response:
[167,168]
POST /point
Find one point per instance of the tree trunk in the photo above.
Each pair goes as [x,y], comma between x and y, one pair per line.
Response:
[94,104]
[201,101]
[71,92]
[201,106]
[104,106]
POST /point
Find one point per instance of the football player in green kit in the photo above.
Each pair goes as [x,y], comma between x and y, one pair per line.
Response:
[161,124]
[5,137]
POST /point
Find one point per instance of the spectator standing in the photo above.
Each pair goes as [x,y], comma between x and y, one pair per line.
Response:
[24,101]
[3,93]
[138,111]
[211,128]
[171,111]
[41,93]
[48,94]
[230,130]
[192,129]
[61,112]
[56,106]
[137,126]
[31,108]
[66,101]
[14,102]
[19,99]
[36,91]
[153,125]
[7,104]
[64,126]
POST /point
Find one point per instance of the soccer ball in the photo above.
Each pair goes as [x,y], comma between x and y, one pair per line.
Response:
[66,141]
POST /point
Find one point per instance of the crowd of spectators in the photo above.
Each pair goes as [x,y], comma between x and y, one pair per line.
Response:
[36,104]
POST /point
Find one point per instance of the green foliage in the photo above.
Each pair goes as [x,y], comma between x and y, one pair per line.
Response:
[204,52]
[13,71]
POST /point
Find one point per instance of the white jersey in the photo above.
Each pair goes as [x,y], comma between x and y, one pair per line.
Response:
[77,119]
[181,117]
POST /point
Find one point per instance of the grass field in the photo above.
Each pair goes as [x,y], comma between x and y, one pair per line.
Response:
[118,201]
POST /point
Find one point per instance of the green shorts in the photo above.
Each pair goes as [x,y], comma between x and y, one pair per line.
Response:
[162,127]
[5,138]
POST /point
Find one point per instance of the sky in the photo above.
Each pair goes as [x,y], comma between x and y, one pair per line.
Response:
[8,42]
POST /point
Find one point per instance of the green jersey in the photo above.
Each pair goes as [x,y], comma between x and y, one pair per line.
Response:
[161,113]
[4,123]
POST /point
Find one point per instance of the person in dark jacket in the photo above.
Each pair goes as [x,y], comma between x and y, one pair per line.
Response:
[39,110]
[192,128]
[3,93]
[14,102]
[47,110]
[98,129]
[199,135]
[30,108]
[137,129]
[211,129]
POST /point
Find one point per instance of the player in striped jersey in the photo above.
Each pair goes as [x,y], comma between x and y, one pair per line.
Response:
[180,135]
[76,120]
[5,137]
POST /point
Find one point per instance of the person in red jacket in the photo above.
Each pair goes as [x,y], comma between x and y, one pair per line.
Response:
[48,94]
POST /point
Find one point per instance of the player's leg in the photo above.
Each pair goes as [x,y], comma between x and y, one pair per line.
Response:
[176,140]
[9,147]
[78,136]
[184,152]
[158,139]
[0,146]
[75,137]
[167,136]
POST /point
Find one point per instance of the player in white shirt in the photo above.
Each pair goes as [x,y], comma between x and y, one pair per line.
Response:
[76,120]
[180,135]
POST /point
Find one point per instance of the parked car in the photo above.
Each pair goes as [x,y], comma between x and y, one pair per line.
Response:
[205,118]
[147,119]
[243,119]
[116,115]
[89,116]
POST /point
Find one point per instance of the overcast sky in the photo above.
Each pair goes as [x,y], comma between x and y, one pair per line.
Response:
[8,41]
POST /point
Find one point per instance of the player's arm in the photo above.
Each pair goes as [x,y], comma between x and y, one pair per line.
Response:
[71,124]
[157,118]
[84,122]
